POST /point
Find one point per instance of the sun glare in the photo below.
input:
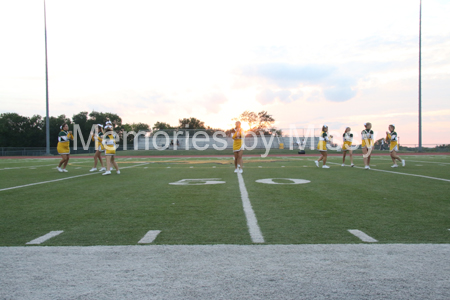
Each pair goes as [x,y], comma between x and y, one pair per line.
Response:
[245,126]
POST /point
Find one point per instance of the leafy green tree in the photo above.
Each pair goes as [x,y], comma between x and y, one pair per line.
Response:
[191,123]
[13,130]
[161,125]
[136,127]
[35,134]
[251,118]
[86,120]
[100,118]
[265,121]
[260,123]
[83,120]
[140,127]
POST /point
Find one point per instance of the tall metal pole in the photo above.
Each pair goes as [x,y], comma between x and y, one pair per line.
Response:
[420,78]
[47,121]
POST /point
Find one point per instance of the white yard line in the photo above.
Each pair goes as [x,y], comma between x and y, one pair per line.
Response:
[60,179]
[149,237]
[407,160]
[15,168]
[252,222]
[362,236]
[415,175]
[43,238]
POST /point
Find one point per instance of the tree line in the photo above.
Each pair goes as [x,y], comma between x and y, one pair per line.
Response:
[23,131]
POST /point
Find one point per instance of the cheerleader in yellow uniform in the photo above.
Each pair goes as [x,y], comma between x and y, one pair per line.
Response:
[109,141]
[393,146]
[322,147]
[347,146]
[99,148]
[63,147]
[238,148]
[367,144]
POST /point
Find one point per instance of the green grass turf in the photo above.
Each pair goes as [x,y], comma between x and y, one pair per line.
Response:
[120,209]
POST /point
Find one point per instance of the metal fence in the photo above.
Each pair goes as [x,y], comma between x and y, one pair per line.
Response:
[203,139]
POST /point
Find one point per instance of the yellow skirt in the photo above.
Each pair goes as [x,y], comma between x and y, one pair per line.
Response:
[322,146]
[63,148]
[393,146]
[367,145]
[110,150]
[237,145]
[99,147]
[347,146]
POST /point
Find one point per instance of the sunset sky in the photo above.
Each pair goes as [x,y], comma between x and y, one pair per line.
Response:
[339,63]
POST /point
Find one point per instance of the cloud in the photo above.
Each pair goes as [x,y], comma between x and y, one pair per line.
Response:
[287,79]
[213,101]
[268,96]
[339,94]
[287,75]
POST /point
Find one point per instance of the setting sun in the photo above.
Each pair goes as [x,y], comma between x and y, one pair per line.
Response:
[245,126]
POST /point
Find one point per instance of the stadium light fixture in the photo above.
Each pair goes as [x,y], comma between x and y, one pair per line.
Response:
[420,77]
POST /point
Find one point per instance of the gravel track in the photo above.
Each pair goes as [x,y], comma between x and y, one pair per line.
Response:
[359,271]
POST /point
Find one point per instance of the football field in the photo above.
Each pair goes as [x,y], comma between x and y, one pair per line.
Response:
[190,228]
[201,201]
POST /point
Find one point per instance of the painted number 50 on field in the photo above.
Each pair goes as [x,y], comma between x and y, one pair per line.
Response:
[198,181]
[203,181]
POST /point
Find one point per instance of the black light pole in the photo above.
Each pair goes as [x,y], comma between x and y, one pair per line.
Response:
[420,78]
[47,121]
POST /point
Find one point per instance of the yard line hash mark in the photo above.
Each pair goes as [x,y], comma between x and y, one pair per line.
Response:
[362,236]
[252,222]
[149,237]
[45,237]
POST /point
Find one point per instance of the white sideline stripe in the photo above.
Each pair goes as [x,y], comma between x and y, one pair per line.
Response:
[415,175]
[149,237]
[43,238]
[60,179]
[252,222]
[362,236]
